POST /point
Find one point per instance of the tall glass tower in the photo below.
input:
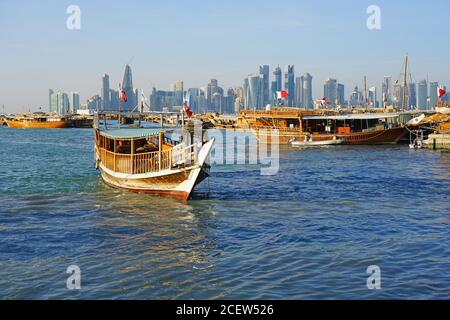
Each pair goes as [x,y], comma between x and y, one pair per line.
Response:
[289,84]
[278,78]
[106,102]
[264,72]
[127,86]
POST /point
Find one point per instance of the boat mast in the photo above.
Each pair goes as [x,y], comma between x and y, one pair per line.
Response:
[405,84]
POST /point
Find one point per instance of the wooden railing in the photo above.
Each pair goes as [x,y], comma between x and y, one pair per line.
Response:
[138,163]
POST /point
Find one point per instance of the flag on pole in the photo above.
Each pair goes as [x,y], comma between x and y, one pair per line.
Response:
[441,92]
[122,94]
[283,94]
[188,111]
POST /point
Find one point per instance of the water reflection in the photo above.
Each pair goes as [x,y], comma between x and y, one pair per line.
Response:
[159,240]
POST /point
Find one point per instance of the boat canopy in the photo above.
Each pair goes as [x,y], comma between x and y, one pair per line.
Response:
[130,133]
[361,116]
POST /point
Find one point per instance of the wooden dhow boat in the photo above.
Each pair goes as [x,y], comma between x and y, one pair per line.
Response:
[283,126]
[147,160]
[37,120]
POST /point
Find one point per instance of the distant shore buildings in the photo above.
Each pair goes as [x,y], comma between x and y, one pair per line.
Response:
[258,90]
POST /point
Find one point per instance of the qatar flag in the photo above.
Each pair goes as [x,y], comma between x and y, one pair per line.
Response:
[282,94]
[187,109]
[441,92]
[123,95]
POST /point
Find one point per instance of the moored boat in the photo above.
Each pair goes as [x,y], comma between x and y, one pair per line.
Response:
[352,128]
[37,121]
[309,142]
[147,160]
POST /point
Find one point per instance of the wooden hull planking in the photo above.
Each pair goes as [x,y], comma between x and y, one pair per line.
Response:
[36,124]
[387,136]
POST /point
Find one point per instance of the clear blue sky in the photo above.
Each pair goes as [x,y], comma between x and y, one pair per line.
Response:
[198,40]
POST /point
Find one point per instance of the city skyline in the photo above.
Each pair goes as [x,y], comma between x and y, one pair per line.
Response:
[39,52]
[255,93]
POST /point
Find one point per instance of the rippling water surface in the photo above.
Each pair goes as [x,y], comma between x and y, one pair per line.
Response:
[308,232]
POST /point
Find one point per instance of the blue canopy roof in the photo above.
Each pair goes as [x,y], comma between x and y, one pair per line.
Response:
[129,133]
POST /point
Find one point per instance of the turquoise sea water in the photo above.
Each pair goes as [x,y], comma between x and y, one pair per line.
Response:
[308,232]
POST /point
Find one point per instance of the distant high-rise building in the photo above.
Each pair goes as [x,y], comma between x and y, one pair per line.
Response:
[278,78]
[229,101]
[397,98]
[254,89]
[239,101]
[59,103]
[54,102]
[356,98]
[340,94]
[127,86]
[422,95]
[74,101]
[178,88]
[245,88]
[94,103]
[273,92]
[105,92]
[412,96]
[163,100]
[307,99]
[387,91]
[265,74]
[191,99]
[330,90]
[211,89]
[299,92]
[433,94]
[50,93]
[63,103]
[289,85]
[372,97]
[114,99]
[217,103]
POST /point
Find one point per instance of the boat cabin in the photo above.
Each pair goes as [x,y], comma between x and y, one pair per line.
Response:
[347,124]
[135,150]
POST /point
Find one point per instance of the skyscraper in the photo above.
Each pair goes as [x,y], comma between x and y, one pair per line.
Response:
[178,88]
[212,88]
[278,78]
[412,96]
[433,94]
[422,95]
[105,92]
[372,97]
[63,103]
[273,92]
[74,100]
[340,94]
[127,86]
[113,99]
[289,84]
[254,89]
[386,91]
[330,90]
[264,72]
[50,93]
[307,100]
[299,92]
[245,88]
